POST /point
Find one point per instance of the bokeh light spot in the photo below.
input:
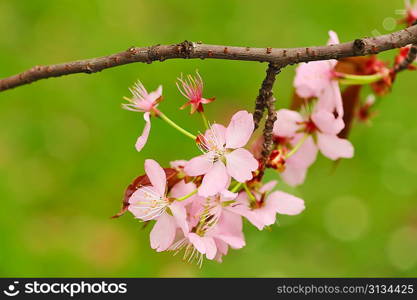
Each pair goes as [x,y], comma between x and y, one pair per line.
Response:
[346,218]
[402,248]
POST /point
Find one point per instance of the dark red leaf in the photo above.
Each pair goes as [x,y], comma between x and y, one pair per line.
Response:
[350,98]
[353,65]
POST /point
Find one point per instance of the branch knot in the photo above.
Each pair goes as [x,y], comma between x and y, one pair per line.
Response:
[185,49]
[153,53]
[359,47]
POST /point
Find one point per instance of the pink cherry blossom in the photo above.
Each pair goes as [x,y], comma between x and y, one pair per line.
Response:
[329,144]
[163,232]
[321,123]
[217,229]
[229,224]
[318,80]
[263,211]
[192,89]
[197,224]
[149,202]
[296,166]
[145,102]
[291,126]
[411,11]
[224,156]
[286,130]
[142,101]
[165,229]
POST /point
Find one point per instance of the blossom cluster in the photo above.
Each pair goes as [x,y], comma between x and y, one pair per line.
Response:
[198,205]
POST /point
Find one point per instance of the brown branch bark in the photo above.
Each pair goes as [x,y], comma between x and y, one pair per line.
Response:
[269,103]
[279,56]
[264,93]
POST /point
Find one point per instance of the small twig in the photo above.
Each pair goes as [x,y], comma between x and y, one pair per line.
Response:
[259,108]
[269,103]
[264,93]
[279,56]
[411,57]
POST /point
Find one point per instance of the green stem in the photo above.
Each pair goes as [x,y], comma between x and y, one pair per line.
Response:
[299,144]
[206,123]
[171,123]
[236,187]
[349,79]
[187,196]
[251,196]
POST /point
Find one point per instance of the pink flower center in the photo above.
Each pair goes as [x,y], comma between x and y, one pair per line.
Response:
[310,127]
[211,144]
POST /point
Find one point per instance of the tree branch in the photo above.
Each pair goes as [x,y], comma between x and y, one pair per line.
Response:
[279,56]
[269,104]
[265,92]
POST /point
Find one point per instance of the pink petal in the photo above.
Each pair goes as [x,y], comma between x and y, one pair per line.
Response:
[285,204]
[236,242]
[239,130]
[297,165]
[207,101]
[229,229]
[222,248]
[194,211]
[199,165]
[153,96]
[331,99]
[140,204]
[216,134]
[181,189]
[214,181]
[253,217]
[141,141]
[306,154]
[326,122]
[197,242]
[230,223]
[180,215]
[338,98]
[287,123]
[241,206]
[334,147]
[210,246]
[293,175]
[257,221]
[265,215]
[312,78]
[163,233]
[269,186]
[227,195]
[156,175]
[334,39]
[240,164]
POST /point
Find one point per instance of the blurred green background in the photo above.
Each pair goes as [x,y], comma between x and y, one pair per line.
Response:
[67,148]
